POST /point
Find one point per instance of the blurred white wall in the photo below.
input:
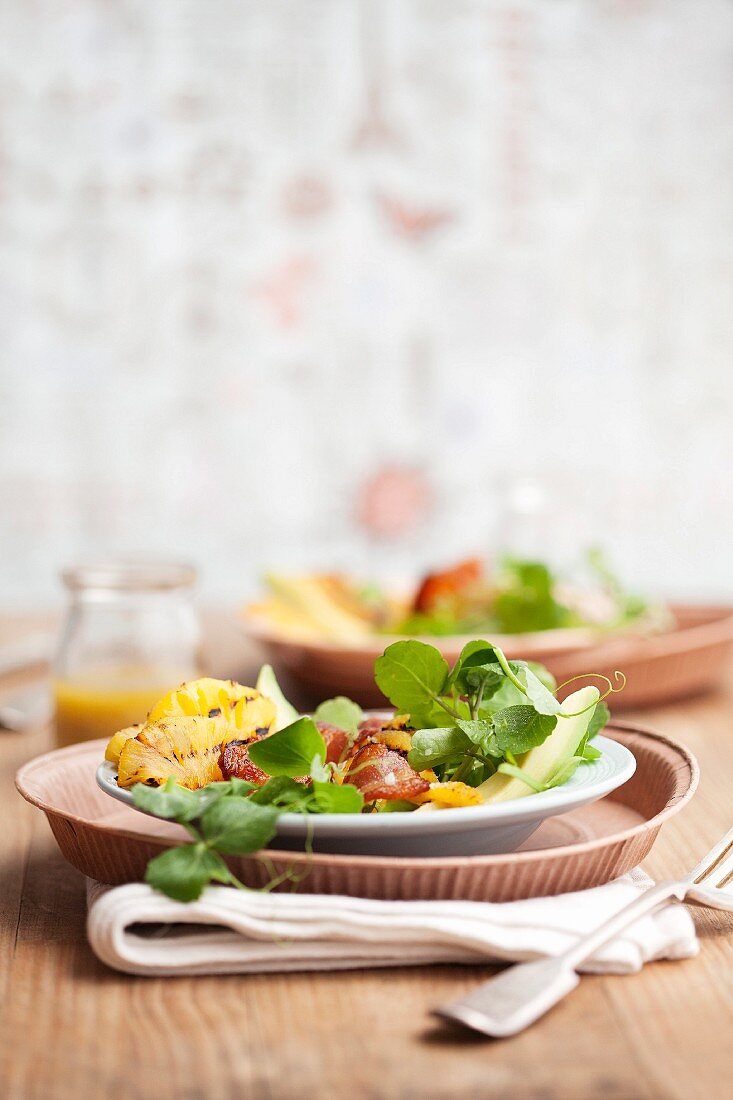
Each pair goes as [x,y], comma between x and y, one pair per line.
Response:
[272,270]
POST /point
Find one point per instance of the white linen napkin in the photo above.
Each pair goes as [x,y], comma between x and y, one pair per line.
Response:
[231,931]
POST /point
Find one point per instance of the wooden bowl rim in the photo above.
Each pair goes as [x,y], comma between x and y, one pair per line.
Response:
[686,777]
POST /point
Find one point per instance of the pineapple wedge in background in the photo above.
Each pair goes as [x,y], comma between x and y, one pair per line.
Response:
[187,748]
[186,731]
[322,602]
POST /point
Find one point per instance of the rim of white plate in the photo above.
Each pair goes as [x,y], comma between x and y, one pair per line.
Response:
[591,781]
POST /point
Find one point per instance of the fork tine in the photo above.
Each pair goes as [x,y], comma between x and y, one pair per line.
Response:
[727,879]
[719,872]
[712,861]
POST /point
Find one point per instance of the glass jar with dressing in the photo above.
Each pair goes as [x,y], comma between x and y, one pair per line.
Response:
[131,634]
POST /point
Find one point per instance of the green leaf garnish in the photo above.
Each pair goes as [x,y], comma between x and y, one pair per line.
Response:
[521,728]
[482,733]
[330,798]
[182,873]
[341,712]
[238,826]
[432,747]
[290,751]
[600,717]
[171,802]
[280,791]
[474,655]
[175,803]
[541,697]
[412,675]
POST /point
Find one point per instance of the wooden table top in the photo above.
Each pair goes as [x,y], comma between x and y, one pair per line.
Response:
[69,1027]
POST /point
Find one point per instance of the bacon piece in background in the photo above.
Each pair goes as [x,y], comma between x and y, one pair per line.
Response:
[439,587]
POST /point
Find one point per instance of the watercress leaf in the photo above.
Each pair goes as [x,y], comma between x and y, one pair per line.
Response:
[171,802]
[280,791]
[481,733]
[540,696]
[182,873]
[506,695]
[239,826]
[431,747]
[412,675]
[476,731]
[486,678]
[473,654]
[238,788]
[517,773]
[477,773]
[521,728]
[435,717]
[598,719]
[290,750]
[330,798]
[341,712]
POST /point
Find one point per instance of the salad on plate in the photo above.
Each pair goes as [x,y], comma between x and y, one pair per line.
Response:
[226,760]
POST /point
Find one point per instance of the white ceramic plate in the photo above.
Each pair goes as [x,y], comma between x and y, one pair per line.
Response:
[470,830]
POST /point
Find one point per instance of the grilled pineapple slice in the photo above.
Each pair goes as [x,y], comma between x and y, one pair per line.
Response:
[187,748]
[117,740]
[228,703]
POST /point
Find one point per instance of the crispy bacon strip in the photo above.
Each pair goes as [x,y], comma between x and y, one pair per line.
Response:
[336,741]
[379,772]
[235,763]
[395,733]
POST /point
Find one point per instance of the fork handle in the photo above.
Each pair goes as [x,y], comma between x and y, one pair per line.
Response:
[514,999]
[645,903]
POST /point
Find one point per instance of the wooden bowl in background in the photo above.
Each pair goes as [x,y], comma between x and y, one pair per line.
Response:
[690,659]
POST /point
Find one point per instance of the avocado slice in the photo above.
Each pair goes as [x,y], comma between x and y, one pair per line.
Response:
[285,712]
[542,762]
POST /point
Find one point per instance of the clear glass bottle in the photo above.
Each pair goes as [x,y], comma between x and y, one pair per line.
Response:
[131,634]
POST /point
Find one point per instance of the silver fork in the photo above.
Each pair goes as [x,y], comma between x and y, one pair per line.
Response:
[521,994]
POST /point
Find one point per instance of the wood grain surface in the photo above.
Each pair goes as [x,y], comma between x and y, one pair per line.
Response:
[69,1027]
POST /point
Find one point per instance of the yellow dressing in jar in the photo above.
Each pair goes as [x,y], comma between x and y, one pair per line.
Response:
[131,635]
[101,703]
